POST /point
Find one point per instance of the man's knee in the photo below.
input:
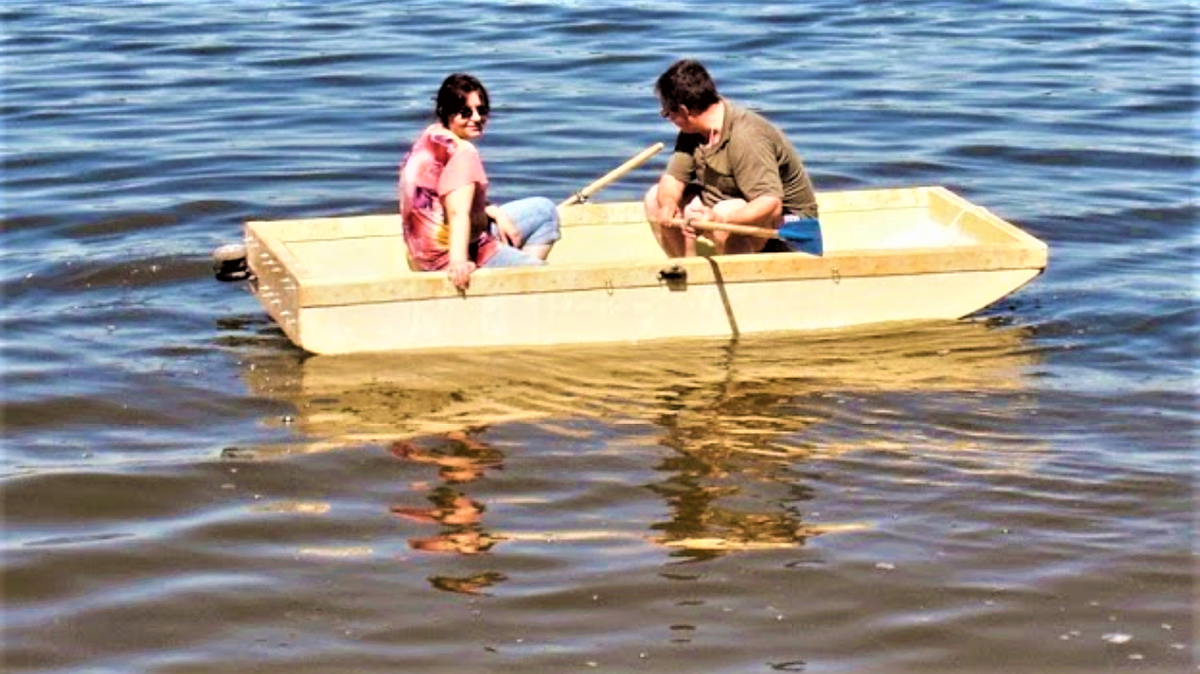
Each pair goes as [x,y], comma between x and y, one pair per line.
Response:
[650,203]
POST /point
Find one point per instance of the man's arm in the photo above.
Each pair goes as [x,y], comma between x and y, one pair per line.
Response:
[756,171]
[670,195]
[765,211]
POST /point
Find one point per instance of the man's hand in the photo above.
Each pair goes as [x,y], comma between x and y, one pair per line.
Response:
[696,210]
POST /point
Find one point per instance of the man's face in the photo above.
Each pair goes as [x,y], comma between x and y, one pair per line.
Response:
[682,118]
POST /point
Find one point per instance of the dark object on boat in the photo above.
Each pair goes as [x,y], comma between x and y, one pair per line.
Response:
[229,263]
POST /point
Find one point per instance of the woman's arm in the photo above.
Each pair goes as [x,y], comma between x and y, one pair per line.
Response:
[457,205]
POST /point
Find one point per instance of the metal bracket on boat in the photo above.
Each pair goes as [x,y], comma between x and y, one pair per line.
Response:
[675,277]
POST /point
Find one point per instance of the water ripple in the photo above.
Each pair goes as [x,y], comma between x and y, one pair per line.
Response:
[170,460]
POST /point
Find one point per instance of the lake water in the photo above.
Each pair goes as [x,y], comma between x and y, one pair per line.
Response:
[183,491]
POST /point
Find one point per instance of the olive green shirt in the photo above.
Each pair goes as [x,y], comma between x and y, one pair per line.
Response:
[752,158]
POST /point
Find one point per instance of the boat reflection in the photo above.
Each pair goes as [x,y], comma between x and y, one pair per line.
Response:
[343,400]
[741,418]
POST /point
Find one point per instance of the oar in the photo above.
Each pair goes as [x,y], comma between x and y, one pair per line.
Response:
[639,159]
[805,234]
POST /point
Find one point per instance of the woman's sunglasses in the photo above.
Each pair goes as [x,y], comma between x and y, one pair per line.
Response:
[468,112]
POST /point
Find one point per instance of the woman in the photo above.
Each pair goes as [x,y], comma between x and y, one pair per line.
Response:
[448,222]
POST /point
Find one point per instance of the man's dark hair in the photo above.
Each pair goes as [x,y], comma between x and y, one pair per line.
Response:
[686,84]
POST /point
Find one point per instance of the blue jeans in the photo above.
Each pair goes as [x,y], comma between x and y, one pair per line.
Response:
[537,220]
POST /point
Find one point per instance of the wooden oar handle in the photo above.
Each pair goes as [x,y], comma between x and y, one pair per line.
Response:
[745,230]
[639,159]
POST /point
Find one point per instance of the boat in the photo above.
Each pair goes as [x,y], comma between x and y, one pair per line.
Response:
[341,285]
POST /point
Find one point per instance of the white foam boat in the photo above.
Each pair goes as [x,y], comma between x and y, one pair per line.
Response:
[343,285]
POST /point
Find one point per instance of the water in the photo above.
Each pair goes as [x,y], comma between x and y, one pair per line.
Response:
[184,492]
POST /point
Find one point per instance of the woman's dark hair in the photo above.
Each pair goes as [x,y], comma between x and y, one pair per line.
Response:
[686,84]
[452,97]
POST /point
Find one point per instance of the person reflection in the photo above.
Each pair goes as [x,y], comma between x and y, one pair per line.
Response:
[473,584]
[730,486]
[461,518]
[460,459]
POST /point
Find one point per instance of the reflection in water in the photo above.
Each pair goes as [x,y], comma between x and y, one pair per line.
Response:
[702,526]
[373,398]
[460,458]
[723,490]
[473,584]
[741,418]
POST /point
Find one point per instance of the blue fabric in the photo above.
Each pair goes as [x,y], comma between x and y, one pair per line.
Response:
[507,256]
[537,220]
[802,234]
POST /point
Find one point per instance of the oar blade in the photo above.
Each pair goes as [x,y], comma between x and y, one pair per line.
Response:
[802,235]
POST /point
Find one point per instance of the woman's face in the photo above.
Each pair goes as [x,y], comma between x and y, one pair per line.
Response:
[468,123]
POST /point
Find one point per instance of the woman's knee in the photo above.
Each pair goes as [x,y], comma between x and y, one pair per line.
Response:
[548,210]
[537,218]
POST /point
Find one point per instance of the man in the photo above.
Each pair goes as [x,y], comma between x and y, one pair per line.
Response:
[729,165]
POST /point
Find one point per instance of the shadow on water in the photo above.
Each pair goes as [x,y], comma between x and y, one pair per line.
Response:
[737,420]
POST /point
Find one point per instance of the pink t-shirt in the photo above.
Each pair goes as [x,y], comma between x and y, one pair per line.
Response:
[437,165]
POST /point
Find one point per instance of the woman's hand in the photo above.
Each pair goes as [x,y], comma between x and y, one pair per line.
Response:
[505,227]
[460,273]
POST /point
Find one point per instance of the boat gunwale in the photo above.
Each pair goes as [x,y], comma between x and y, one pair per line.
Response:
[767,268]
